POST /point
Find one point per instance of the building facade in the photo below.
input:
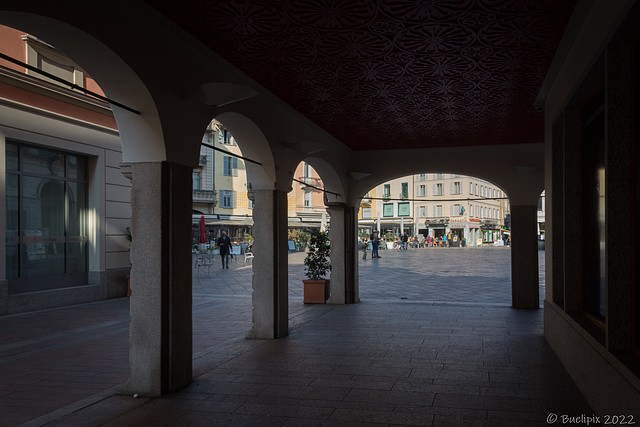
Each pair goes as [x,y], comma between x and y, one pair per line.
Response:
[220,188]
[388,208]
[467,208]
[220,192]
[436,204]
[65,201]
[305,201]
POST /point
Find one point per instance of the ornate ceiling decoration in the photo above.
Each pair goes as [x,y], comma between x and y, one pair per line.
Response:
[392,73]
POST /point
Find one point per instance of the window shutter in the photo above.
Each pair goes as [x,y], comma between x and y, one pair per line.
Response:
[434,190]
[234,199]
[235,166]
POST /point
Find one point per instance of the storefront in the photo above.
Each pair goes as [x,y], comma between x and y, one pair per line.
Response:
[474,233]
[437,227]
[389,228]
[238,228]
[457,229]
[491,232]
[46,210]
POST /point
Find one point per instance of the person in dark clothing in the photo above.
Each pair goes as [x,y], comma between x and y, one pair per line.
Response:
[224,243]
[375,242]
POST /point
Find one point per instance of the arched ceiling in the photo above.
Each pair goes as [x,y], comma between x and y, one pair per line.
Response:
[392,73]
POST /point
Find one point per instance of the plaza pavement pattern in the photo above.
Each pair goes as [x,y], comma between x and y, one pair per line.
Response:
[432,343]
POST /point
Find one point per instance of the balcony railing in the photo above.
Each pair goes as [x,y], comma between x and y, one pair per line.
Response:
[307,180]
[205,196]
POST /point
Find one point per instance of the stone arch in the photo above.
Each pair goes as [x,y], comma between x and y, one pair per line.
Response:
[517,169]
[141,135]
[334,186]
[254,146]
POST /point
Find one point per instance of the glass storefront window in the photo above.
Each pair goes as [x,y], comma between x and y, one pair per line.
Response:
[13,232]
[593,207]
[12,157]
[39,161]
[77,209]
[46,218]
[77,167]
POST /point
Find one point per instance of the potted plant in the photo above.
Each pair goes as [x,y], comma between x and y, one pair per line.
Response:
[317,263]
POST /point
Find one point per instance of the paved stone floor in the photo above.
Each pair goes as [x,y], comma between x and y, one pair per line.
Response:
[433,342]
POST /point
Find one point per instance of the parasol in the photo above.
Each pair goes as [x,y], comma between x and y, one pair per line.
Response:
[203,238]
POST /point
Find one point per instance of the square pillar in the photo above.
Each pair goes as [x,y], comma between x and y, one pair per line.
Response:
[270,265]
[160,356]
[337,234]
[524,257]
[344,252]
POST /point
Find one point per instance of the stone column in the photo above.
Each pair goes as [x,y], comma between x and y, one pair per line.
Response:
[161,324]
[524,257]
[337,234]
[270,265]
[344,253]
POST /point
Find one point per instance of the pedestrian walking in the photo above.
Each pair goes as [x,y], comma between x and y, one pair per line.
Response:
[375,241]
[224,243]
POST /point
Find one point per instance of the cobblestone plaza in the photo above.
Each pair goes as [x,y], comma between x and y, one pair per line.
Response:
[425,346]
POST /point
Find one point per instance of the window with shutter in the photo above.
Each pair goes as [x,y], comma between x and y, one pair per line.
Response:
[226,166]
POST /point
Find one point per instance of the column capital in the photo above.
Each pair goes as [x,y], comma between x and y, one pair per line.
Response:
[126,170]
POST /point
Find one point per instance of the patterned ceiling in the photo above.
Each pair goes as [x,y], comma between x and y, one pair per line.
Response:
[392,73]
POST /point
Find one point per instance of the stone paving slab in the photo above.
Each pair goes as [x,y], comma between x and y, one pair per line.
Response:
[422,348]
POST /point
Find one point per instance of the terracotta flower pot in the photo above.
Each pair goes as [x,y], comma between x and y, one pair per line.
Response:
[316,291]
